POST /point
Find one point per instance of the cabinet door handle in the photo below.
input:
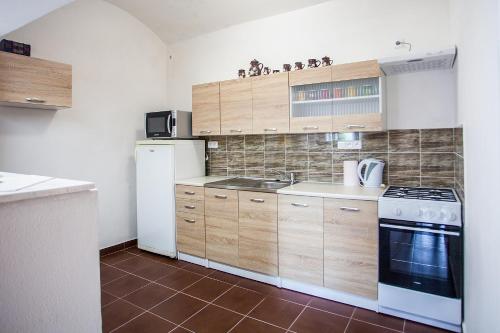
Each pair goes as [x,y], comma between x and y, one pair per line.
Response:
[273,129]
[189,207]
[296,204]
[190,221]
[219,196]
[355,126]
[350,209]
[205,132]
[34,100]
[236,131]
[305,128]
[257,200]
[189,193]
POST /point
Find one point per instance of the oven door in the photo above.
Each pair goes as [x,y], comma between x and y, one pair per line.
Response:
[421,256]
[159,124]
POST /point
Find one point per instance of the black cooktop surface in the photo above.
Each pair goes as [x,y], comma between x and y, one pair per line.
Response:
[420,193]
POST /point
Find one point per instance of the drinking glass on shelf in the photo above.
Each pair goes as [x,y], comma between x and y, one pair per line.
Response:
[325,94]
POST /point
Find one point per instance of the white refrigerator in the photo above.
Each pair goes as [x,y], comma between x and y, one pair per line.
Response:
[159,163]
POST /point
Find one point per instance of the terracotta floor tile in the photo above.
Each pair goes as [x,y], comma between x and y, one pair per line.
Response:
[362,327]
[178,308]
[257,286]
[109,273]
[249,325]
[240,300]
[207,289]
[179,279]
[379,319]
[276,311]
[150,295]
[124,285]
[225,277]
[413,327]
[198,269]
[163,259]
[134,250]
[180,330]
[146,323]
[290,295]
[154,271]
[212,319]
[331,306]
[312,321]
[116,257]
[118,313]
[106,298]
[134,264]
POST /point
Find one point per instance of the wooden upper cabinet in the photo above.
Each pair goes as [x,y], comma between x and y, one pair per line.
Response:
[34,83]
[356,70]
[236,106]
[206,109]
[311,76]
[271,104]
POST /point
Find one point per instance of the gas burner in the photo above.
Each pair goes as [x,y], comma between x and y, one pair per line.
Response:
[420,193]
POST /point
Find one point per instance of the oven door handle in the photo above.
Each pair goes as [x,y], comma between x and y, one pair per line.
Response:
[440,232]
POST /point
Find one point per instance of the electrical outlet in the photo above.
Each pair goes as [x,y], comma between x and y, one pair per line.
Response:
[354,144]
[213,144]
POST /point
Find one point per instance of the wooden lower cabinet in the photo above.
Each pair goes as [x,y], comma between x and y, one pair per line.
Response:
[351,246]
[258,232]
[221,219]
[190,233]
[300,230]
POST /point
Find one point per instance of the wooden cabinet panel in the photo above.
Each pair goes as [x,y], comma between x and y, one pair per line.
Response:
[351,246]
[311,76]
[190,233]
[358,123]
[206,109]
[34,83]
[221,217]
[311,124]
[189,206]
[356,70]
[258,232]
[300,230]
[236,106]
[271,104]
[189,192]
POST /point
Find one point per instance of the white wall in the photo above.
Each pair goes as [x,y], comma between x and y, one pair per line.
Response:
[347,30]
[119,69]
[477,32]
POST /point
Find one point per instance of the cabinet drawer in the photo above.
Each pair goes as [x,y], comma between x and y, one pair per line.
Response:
[300,225]
[190,233]
[351,246]
[189,192]
[190,206]
[222,203]
[222,239]
[258,232]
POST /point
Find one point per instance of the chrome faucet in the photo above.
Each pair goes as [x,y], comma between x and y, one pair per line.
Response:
[282,175]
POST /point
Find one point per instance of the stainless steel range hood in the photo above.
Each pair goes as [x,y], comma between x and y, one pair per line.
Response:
[429,61]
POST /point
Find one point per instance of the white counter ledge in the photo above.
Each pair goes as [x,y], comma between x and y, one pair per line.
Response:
[16,187]
[333,191]
[200,181]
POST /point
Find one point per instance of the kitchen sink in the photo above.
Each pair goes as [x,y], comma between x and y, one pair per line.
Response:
[250,184]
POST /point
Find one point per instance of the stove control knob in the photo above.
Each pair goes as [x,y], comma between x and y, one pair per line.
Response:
[420,212]
[398,212]
[453,217]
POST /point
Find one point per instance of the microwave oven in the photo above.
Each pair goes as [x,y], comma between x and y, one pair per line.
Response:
[168,124]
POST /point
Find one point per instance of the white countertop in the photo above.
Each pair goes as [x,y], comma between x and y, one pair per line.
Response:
[333,191]
[200,181]
[16,187]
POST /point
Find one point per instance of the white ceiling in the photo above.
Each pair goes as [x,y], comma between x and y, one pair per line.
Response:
[175,20]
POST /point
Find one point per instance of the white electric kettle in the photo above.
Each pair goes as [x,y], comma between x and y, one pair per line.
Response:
[370,172]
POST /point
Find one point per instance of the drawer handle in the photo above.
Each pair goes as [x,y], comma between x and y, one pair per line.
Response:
[219,196]
[296,204]
[355,126]
[189,193]
[273,129]
[205,132]
[236,131]
[257,200]
[189,207]
[350,209]
[189,221]
[305,128]
[34,100]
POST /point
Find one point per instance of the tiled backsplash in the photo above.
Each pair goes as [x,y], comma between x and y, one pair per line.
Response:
[426,157]
[459,163]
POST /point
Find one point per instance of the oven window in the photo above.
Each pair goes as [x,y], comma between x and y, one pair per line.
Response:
[156,125]
[421,261]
